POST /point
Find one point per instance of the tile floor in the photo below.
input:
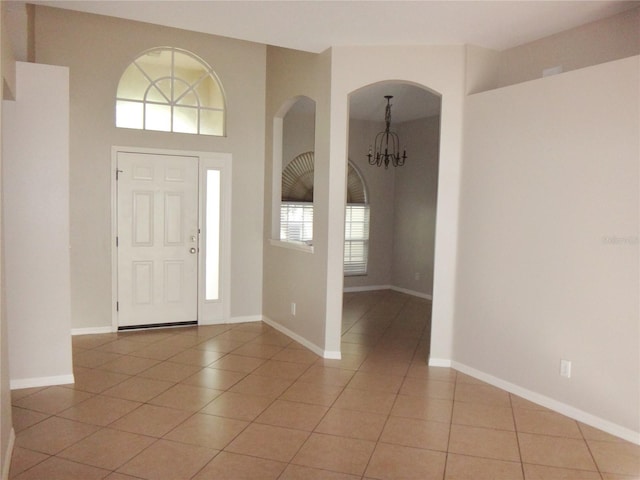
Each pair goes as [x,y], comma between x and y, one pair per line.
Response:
[245,402]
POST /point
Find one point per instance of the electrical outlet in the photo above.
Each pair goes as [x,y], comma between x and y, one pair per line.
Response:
[293,309]
[565,368]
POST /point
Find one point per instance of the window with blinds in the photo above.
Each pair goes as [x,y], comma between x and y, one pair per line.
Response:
[356,239]
[296,222]
[296,225]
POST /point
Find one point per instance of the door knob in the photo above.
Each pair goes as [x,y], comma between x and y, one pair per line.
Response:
[192,250]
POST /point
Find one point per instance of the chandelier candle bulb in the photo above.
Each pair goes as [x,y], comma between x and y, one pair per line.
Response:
[387,143]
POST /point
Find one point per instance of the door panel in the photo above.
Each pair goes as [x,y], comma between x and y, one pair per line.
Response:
[157,225]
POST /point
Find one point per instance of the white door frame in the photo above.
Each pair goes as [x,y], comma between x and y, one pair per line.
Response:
[206,160]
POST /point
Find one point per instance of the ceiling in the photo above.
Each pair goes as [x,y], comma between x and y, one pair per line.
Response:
[316,25]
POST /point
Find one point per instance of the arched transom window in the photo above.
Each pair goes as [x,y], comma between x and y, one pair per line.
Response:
[171,90]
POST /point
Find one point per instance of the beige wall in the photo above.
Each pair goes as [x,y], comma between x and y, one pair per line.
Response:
[294,276]
[548,262]
[6,424]
[415,203]
[97,50]
[602,41]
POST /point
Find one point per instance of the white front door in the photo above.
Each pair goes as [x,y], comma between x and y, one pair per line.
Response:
[157,230]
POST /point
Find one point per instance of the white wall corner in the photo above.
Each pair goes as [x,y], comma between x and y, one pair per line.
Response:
[555,405]
[329,354]
[93,330]
[243,319]
[440,362]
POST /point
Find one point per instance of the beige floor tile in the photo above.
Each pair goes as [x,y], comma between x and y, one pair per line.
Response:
[300,416]
[237,405]
[313,393]
[170,371]
[53,435]
[338,454]
[555,451]
[242,467]
[383,366]
[94,380]
[238,363]
[615,476]
[23,459]
[52,400]
[257,350]
[461,467]
[540,472]
[373,382]
[138,389]
[432,409]
[157,351]
[55,468]
[278,369]
[373,402]
[122,346]
[619,458]
[483,415]
[484,442]
[298,472]
[129,365]
[214,378]
[348,361]
[327,376]
[254,384]
[217,345]
[23,418]
[296,355]
[93,358]
[185,397]
[99,410]
[20,393]
[546,423]
[194,356]
[426,387]
[411,432]
[238,335]
[591,433]
[166,460]
[352,424]
[391,462]
[92,341]
[481,393]
[421,369]
[266,441]
[151,420]
[207,431]
[273,338]
[107,448]
[119,476]
[522,403]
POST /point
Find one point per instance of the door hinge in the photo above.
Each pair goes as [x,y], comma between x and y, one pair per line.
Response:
[117,241]
[118,172]
[117,306]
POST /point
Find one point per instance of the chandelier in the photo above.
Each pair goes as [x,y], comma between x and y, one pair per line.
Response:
[387,144]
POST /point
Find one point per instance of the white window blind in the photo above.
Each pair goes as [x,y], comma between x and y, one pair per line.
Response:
[356,239]
[296,222]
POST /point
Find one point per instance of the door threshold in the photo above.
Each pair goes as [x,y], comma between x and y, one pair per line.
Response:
[158,325]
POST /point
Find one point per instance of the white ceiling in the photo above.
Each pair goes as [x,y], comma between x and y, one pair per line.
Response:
[316,25]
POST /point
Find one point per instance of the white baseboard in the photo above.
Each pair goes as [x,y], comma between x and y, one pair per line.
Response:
[563,408]
[6,464]
[368,288]
[371,288]
[91,330]
[245,319]
[41,381]
[439,362]
[426,296]
[330,354]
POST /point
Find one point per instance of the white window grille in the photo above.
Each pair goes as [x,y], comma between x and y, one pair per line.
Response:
[296,222]
[356,241]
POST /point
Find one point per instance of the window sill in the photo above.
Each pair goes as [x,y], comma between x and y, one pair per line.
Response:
[301,247]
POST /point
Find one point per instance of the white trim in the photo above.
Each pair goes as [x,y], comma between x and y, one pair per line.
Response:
[330,354]
[426,296]
[560,407]
[440,362]
[41,381]
[367,288]
[6,464]
[92,330]
[245,319]
[301,247]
